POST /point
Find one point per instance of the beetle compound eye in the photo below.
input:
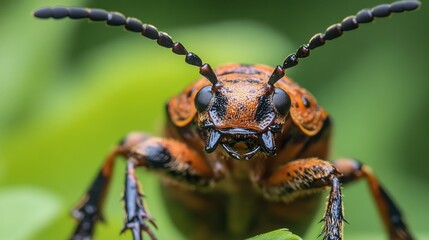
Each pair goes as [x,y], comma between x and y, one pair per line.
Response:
[281,101]
[203,98]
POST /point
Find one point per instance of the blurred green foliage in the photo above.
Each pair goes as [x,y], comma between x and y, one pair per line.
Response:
[69,90]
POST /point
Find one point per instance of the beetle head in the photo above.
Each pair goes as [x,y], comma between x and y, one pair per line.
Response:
[242,112]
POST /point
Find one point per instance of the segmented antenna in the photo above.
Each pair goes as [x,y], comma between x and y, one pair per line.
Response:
[336,30]
[132,25]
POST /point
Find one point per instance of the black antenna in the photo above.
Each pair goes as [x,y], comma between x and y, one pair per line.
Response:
[132,25]
[336,30]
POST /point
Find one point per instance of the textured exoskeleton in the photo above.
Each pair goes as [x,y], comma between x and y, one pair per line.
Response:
[244,149]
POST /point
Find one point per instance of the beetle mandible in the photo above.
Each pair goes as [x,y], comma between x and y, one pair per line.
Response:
[246,134]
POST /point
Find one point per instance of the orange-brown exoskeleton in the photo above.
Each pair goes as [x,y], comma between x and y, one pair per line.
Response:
[244,149]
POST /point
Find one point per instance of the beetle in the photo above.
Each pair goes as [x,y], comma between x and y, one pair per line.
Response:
[243,141]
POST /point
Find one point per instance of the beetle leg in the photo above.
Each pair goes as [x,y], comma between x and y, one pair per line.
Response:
[136,214]
[173,159]
[88,211]
[353,170]
[167,156]
[304,177]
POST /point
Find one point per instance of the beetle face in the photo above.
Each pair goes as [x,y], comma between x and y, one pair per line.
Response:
[242,113]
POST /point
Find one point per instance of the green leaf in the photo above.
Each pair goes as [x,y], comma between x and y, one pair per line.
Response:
[26,210]
[280,234]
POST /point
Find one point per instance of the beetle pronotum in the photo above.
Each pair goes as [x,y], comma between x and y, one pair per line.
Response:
[242,131]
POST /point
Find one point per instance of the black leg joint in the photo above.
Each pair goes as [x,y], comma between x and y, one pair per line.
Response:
[157,156]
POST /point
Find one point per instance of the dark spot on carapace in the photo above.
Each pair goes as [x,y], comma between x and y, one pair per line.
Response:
[189,93]
[305,101]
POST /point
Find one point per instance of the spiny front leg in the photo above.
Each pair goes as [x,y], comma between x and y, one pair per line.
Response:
[393,220]
[136,214]
[88,211]
[308,176]
[166,156]
[334,215]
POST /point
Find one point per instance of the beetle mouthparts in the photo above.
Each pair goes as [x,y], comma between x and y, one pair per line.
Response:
[213,140]
[241,143]
[246,156]
[268,144]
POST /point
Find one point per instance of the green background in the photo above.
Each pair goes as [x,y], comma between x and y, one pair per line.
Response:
[70,90]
